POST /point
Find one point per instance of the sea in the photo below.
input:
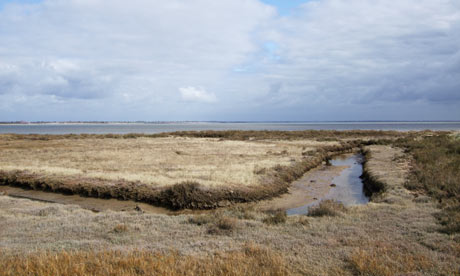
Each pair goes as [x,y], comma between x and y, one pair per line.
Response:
[158,127]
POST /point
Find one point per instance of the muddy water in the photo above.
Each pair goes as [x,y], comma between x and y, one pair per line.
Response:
[346,187]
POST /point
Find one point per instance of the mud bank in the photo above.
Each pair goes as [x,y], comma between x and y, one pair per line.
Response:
[383,180]
[372,185]
[89,203]
[185,195]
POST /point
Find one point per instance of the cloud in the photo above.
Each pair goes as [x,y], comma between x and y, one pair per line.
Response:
[327,60]
[137,51]
[194,94]
[370,52]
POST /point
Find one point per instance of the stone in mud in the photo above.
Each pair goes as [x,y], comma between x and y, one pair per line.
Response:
[333,185]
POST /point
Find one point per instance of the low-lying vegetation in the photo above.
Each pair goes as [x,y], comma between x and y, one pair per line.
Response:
[242,135]
[251,260]
[207,173]
[436,171]
[327,207]
[218,224]
[384,259]
[223,226]
[277,217]
[393,235]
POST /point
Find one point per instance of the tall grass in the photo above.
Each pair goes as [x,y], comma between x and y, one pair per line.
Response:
[251,260]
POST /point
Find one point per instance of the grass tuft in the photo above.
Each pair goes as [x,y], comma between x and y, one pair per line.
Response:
[223,226]
[277,217]
[120,228]
[327,207]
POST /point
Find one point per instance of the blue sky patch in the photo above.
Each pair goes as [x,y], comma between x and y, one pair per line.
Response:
[285,7]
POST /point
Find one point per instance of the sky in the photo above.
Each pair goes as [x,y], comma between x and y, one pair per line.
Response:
[229,60]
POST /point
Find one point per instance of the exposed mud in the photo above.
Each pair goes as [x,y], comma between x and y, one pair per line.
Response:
[313,186]
[93,204]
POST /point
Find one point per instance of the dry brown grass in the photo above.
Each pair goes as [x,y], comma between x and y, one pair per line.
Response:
[223,226]
[327,207]
[240,135]
[252,260]
[276,217]
[309,245]
[384,259]
[156,162]
[208,172]
[395,234]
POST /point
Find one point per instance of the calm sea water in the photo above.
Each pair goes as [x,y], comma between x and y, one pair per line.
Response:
[123,128]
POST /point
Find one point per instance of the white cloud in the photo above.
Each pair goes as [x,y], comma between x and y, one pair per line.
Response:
[195,94]
[82,49]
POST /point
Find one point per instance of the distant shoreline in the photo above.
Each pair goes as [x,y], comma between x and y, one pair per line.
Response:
[220,122]
[161,127]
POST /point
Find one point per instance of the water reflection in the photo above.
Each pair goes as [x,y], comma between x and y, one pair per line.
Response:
[347,187]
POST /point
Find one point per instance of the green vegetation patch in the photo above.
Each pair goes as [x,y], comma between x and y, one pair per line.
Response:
[436,171]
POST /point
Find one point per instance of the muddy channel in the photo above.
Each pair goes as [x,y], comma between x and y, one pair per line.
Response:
[340,181]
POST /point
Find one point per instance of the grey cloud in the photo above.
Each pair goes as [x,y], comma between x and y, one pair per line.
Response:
[373,51]
[326,56]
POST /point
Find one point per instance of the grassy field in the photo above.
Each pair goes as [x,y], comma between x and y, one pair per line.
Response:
[172,171]
[155,161]
[400,232]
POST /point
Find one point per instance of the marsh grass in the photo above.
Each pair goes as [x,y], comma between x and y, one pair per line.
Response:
[384,259]
[212,174]
[379,238]
[201,219]
[241,135]
[436,171]
[223,226]
[217,223]
[155,162]
[276,217]
[251,260]
[327,207]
